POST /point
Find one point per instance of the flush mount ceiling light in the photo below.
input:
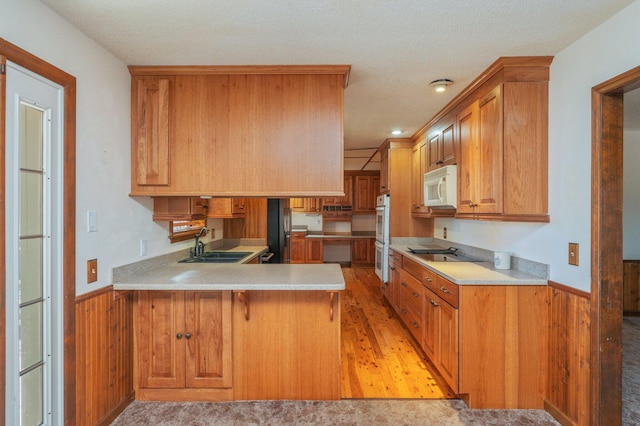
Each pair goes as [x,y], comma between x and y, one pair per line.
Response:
[440,85]
[396,132]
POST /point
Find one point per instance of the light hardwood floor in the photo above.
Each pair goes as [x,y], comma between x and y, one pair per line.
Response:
[380,359]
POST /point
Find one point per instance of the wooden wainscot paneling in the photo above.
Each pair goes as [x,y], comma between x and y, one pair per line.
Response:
[104,349]
[631,287]
[569,391]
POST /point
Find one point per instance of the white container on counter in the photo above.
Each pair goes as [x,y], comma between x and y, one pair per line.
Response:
[502,260]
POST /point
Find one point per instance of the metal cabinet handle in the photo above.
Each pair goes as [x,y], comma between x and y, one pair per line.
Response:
[444,290]
[392,268]
[428,279]
[415,294]
[188,335]
[403,284]
[414,324]
[179,335]
[434,303]
[404,310]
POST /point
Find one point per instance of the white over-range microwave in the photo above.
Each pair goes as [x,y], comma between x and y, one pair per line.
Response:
[441,188]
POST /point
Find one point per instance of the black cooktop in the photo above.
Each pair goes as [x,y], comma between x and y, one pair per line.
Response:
[440,254]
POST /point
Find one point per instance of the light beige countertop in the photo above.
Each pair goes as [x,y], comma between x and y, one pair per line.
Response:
[221,276]
[473,273]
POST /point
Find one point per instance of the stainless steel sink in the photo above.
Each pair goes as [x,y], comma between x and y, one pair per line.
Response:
[218,257]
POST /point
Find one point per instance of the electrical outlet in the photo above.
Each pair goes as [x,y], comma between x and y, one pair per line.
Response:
[92,271]
[143,247]
[212,233]
[574,254]
[444,232]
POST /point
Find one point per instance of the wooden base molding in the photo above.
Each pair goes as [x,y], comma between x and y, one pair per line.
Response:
[568,396]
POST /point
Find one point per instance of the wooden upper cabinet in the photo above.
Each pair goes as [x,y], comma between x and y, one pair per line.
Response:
[307,205]
[248,131]
[226,208]
[419,155]
[346,200]
[384,171]
[366,189]
[441,143]
[151,130]
[499,142]
[179,208]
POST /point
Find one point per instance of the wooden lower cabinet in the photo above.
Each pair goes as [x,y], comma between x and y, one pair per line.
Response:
[315,250]
[363,251]
[489,342]
[183,345]
[440,338]
[298,247]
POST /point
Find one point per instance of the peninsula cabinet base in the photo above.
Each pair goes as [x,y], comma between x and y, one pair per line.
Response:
[286,345]
[240,345]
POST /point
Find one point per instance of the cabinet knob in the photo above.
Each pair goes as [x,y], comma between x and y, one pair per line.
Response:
[415,294]
[434,303]
[444,290]
[179,336]
[188,335]
[404,284]
[414,324]
[404,310]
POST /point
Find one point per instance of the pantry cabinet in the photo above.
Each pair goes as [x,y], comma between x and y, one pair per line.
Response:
[193,125]
[182,341]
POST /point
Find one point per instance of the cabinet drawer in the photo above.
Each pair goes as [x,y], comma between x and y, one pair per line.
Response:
[395,259]
[447,290]
[411,290]
[414,268]
[413,320]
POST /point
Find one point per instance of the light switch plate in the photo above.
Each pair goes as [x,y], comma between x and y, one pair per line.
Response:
[574,254]
[92,270]
[92,221]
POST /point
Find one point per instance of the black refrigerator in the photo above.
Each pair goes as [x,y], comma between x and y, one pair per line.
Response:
[278,229]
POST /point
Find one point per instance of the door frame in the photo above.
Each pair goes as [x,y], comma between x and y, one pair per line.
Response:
[606,246]
[26,60]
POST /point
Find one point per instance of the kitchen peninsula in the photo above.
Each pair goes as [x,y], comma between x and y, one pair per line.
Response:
[219,332]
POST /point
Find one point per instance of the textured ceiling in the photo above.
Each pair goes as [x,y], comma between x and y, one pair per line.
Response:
[395,48]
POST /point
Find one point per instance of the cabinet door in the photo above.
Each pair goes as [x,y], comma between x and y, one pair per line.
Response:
[366,188]
[384,171]
[238,206]
[208,339]
[447,145]
[433,151]
[419,158]
[160,339]
[431,321]
[489,197]
[468,161]
[360,251]
[314,252]
[347,200]
[448,360]
[298,250]
[151,131]
[313,205]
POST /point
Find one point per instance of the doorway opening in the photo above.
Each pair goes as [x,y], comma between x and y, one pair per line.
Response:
[606,246]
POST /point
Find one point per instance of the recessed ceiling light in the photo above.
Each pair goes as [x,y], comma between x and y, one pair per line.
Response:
[396,132]
[441,84]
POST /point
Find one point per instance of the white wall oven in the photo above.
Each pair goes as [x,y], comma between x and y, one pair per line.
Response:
[382,238]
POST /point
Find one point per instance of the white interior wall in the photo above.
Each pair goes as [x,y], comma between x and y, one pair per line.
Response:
[631,196]
[103,156]
[607,51]
[103,141]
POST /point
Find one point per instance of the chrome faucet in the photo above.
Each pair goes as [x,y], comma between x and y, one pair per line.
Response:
[198,249]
